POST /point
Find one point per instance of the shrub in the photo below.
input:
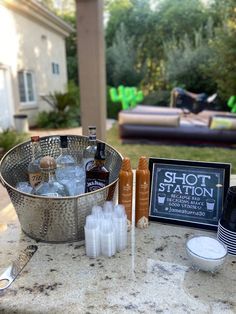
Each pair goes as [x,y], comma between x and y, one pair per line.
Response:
[157,98]
[65,110]
[112,108]
[222,66]
[9,139]
[122,60]
[187,60]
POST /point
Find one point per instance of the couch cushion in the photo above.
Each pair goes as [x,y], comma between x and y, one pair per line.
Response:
[180,135]
[219,122]
[156,109]
[160,119]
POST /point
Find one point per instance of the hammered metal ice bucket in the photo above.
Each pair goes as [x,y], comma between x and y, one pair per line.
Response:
[54,219]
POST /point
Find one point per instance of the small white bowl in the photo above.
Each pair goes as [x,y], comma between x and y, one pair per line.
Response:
[206,253]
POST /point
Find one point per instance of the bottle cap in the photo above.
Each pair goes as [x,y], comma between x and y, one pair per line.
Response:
[126,165]
[35,138]
[92,132]
[92,127]
[64,141]
[142,164]
[48,163]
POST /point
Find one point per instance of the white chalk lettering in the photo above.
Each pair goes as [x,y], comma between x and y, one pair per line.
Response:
[190,179]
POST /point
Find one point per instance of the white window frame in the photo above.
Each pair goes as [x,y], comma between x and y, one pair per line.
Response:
[27,102]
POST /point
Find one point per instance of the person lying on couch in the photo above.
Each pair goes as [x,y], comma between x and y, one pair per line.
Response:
[194,103]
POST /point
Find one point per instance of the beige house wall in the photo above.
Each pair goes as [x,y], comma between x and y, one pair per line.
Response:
[31,45]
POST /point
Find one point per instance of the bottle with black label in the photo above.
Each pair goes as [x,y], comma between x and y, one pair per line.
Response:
[90,151]
[97,176]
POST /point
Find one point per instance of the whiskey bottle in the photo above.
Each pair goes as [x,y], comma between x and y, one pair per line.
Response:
[34,171]
[97,176]
[49,186]
[90,151]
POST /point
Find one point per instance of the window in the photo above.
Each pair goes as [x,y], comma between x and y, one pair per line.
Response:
[55,68]
[26,87]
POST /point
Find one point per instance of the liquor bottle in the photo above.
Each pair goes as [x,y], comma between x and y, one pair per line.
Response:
[34,171]
[142,193]
[125,194]
[66,167]
[49,186]
[97,176]
[90,151]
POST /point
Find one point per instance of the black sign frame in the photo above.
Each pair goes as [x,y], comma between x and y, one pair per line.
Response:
[177,208]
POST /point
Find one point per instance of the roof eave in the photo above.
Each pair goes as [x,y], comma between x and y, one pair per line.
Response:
[38,12]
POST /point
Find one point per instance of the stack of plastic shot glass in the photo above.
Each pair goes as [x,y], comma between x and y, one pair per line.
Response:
[92,242]
[106,230]
[120,222]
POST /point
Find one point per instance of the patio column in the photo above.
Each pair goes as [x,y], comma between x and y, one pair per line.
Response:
[91,60]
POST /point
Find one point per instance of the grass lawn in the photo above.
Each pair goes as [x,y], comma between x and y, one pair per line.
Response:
[134,151]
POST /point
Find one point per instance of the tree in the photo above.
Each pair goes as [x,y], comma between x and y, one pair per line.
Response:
[151,28]
[134,14]
[187,61]
[222,66]
[171,19]
[176,18]
[122,61]
[59,7]
[71,49]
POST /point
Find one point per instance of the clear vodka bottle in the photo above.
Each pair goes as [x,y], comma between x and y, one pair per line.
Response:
[49,185]
[90,151]
[66,167]
[34,171]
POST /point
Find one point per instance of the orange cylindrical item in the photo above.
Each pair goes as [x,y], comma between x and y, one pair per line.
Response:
[125,193]
[142,193]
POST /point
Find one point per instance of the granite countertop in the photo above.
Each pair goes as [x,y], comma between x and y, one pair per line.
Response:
[153,275]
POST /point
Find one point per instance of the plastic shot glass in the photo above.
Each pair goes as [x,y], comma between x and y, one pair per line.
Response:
[120,223]
[97,211]
[108,238]
[92,237]
[108,209]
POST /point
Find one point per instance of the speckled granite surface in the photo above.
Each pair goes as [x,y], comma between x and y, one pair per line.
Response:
[152,276]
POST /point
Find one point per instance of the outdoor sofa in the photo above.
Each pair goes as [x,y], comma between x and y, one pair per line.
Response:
[144,124]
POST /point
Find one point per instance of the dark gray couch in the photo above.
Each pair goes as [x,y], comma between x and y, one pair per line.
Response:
[145,124]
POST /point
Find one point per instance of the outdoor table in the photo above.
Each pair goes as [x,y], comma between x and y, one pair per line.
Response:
[153,275]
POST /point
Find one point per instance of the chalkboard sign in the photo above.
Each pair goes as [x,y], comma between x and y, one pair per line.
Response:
[188,192]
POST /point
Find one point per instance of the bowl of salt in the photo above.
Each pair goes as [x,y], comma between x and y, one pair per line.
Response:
[206,253]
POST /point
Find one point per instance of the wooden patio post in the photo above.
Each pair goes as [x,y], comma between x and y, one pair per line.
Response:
[91,60]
